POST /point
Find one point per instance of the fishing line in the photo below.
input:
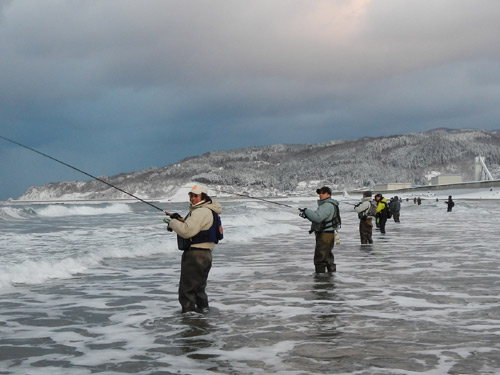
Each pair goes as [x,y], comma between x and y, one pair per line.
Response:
[273,202]
[130,194]
[256,198]
[79,170]
[268,201]
[351,204]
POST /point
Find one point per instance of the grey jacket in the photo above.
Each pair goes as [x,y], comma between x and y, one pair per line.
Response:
[363,206]
[323,214]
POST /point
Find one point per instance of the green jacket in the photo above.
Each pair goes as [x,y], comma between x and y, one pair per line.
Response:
[381,205]
[321,218]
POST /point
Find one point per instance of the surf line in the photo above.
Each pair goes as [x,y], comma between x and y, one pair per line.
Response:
[85,173]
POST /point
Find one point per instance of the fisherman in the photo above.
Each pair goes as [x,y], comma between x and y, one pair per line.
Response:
[395,208]
[450,204]
[196,240]
[382,212]
[365,215]
[324,228]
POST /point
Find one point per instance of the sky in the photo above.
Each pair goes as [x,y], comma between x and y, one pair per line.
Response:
[113,86]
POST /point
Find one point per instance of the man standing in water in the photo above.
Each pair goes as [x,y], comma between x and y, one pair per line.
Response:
[450,203]
[324,227]
[365,215]
[382,210]
[196,236]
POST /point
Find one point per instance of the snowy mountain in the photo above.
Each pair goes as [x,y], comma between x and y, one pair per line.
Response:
[298,169]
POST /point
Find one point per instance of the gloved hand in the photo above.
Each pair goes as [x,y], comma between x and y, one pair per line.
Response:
[175,215]
[302,212]
[167,220]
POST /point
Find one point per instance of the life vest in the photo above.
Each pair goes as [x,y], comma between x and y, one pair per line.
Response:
[213,234]
[328,225]
[336,222]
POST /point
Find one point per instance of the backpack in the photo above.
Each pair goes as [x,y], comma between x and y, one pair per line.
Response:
[372,210]
[213,234]
[219,232]
[388,211]
[336,221]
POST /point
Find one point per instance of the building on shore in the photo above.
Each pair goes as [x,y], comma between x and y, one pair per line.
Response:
[392,186]
[446,179]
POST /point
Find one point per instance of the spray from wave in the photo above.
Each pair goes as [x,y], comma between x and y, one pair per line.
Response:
[77,210]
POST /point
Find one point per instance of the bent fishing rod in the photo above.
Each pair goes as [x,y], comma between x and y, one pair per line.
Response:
[268,201]
[257,198]
[85,173]
[126,192]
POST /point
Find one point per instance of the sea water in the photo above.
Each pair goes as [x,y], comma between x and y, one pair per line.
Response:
[92,288]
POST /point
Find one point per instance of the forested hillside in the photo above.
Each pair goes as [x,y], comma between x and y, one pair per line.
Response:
[298,169]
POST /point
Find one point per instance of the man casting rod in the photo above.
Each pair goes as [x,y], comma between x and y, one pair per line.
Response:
[79,170]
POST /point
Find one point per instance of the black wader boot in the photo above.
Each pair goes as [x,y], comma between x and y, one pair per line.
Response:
[195,266]
[323,253]
[365,231]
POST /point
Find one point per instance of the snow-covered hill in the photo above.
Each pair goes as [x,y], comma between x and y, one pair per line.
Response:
[298,169]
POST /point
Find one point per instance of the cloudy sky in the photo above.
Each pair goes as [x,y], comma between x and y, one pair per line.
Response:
[113,86]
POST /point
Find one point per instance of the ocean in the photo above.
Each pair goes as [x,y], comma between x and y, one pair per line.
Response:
[89,288]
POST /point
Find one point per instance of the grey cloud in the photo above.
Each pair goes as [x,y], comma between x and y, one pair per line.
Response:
[191,76]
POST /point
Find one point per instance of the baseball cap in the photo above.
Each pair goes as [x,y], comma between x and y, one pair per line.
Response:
[198,189]
[324,189]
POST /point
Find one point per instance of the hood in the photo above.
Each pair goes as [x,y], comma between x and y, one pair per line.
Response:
[331,200]
[213,205]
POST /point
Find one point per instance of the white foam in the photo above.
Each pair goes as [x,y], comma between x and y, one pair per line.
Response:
[60,210]
[13,213]
[43,268]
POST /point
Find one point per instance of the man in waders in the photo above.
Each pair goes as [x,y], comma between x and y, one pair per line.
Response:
[382,212]
[196,236]
[324,229]
[366,210]
[450,204]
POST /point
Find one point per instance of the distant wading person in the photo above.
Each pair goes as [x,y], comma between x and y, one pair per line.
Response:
[395,208]
[195,235]
[382,212]
[324,228]
[365,215]
[450,203]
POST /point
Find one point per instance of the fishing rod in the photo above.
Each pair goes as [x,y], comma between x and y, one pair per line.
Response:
[126,192]
[351,204]
[257,198]
[268,201]
[85,173]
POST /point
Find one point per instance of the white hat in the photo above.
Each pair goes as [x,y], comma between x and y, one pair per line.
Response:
[198,189]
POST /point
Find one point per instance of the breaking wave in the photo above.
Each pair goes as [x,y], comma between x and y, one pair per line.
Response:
[61,210]
[37,271]
[14,213]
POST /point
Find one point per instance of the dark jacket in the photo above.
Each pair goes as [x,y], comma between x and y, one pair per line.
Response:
[395,205]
